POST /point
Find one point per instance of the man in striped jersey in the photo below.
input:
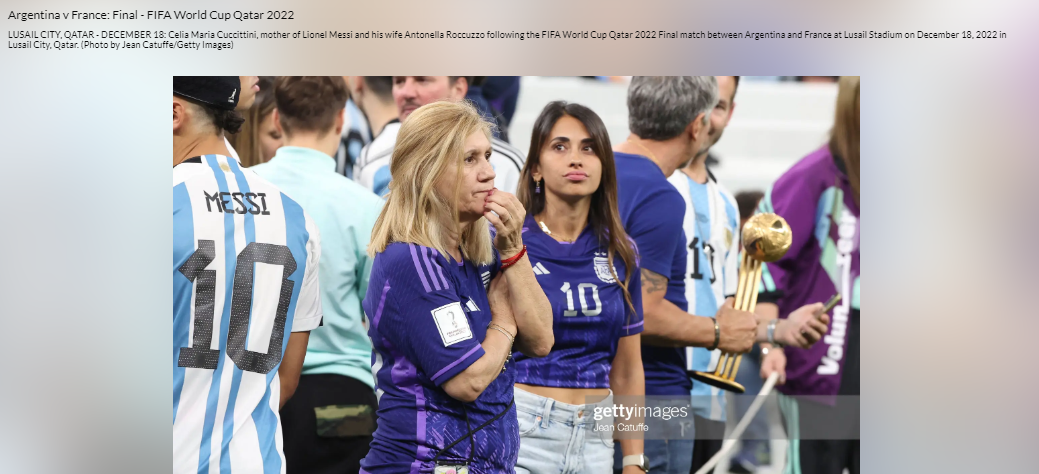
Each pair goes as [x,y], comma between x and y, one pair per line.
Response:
[245,292]
[368,110]
[409,93]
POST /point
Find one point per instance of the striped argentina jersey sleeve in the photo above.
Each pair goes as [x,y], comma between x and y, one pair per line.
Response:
[244,277]
[508,163]
[373,167]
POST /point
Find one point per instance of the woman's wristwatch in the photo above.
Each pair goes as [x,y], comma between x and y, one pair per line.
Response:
[636,460]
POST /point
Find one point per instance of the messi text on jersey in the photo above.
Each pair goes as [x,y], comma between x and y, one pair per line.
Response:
[237,203]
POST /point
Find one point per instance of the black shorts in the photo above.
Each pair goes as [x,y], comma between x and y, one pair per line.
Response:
[327,425]
[824,439]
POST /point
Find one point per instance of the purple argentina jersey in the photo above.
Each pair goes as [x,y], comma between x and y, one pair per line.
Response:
[816,199]
[428,315]
[653,211]
[589,312]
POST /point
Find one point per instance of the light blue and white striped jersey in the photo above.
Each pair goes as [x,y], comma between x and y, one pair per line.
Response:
[711,228]
[245,275]
[373,166]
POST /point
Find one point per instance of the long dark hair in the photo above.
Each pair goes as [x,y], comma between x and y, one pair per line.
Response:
[603,215]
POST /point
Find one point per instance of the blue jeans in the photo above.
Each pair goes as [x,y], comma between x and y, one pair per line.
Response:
[669,443]
[557,437]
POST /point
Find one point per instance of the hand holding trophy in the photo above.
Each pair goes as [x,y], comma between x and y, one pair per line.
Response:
[766,238]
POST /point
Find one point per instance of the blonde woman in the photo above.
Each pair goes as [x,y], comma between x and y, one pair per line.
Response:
[441,338]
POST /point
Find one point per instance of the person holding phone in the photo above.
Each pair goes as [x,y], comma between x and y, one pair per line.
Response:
[819,198]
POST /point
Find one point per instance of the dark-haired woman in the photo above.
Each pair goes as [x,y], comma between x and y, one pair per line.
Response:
[587,267]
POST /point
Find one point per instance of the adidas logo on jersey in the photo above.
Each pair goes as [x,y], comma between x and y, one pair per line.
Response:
[540,269]
[486,278]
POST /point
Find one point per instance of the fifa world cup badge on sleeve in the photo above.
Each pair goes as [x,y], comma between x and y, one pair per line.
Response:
[452,324]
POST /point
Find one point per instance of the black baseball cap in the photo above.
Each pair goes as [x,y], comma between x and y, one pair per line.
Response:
[220,92]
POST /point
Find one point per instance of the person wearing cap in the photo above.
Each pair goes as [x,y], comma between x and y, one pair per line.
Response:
[329,422]
[245,291]
[411,92]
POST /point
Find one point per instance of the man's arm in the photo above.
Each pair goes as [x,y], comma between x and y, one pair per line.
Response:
[292,365]
[667,325]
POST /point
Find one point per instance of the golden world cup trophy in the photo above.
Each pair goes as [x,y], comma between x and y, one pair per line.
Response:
[766,238]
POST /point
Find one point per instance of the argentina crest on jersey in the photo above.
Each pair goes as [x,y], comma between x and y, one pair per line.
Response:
[602,268]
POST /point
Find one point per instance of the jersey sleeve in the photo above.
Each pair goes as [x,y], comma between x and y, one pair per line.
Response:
[633,322]
[657,229]
[793,199]
[425,319]
[308,305]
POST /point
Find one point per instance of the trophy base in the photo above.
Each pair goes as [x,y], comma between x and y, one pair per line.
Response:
[715,381]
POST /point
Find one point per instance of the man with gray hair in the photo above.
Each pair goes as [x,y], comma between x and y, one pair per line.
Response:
[669,120]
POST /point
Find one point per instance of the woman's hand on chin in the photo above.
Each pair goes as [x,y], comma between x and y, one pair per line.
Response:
[507,218]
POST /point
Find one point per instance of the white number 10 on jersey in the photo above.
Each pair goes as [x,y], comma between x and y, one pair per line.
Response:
[585,311]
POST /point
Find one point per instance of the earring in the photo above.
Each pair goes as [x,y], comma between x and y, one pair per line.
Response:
[537,189]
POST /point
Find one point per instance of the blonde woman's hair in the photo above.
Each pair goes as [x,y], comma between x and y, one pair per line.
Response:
[431,141]
[844,140]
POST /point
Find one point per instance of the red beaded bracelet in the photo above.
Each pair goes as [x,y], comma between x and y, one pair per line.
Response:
[508,262]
